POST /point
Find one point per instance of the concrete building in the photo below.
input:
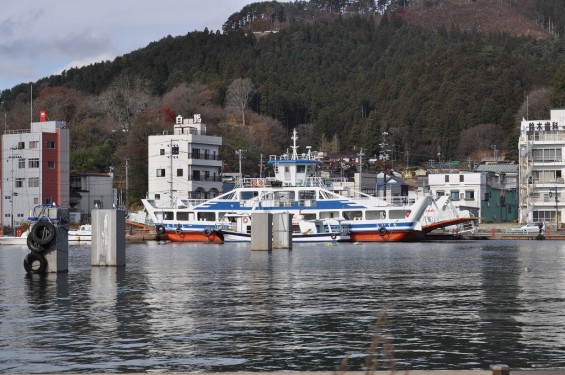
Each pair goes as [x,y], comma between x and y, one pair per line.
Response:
[184,164]
[542,169]
[466,189]
[90,191]
[35,169]
[500,203]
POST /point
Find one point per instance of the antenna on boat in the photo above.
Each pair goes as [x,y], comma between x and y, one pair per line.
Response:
[294,146]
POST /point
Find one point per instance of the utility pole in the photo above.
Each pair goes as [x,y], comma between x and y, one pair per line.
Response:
[12,157]
[127,185]
[261,166]
[240,152]
[360,154]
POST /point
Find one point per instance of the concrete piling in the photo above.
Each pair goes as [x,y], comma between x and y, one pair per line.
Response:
[108,238]
[261,231]
[282,231]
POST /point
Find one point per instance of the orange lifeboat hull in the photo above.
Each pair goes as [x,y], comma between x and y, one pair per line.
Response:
[214,237]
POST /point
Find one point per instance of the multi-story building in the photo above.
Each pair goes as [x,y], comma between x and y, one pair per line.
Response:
[542,169]
[466,189]
[35,169]
[90,191]
[184,164]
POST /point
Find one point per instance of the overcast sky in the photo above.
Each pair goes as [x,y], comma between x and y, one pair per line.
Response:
[41,38]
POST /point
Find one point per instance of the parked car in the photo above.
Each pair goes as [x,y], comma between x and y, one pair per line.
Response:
[532,228]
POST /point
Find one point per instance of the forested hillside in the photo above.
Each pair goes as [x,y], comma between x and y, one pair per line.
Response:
[346,71]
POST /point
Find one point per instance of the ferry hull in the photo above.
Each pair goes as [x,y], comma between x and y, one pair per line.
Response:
[389,236]
[213,238]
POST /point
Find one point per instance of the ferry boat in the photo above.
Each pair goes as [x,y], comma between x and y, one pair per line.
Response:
[322,209]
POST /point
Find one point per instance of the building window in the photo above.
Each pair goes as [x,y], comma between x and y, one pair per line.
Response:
[19,183]
[446,178]
[175,150]
[35,200]
[51,164]
[196,153]
[51,145]
[195,175]
[21,145]
[33,182]
[21,163]
[160,172]
[440,193]
[546,155]
[454,195]
[33,163]
[470,195]
[162,151]
[47,200]
[33,144]
[157,196]
[461,178]
[179,172]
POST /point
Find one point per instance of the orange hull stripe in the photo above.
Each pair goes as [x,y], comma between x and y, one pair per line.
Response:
[194,237]
[396,236]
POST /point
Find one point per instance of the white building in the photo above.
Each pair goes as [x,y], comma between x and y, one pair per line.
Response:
[90,191]
[185,164]
[466,189]
[542,169]
[35,169]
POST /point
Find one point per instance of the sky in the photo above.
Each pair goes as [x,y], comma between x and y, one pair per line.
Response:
[42,38]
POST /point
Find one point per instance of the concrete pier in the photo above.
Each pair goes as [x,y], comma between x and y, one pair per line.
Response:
[261,231]
[57,255]
[282,231]
[108,238]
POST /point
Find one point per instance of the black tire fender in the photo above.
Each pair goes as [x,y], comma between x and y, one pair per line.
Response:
[382,231]
[207,232]
[33,246]
[43,232]
[35,263]
[160,229]
[334,236]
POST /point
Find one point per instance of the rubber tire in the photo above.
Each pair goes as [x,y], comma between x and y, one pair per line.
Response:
[43,232]
[207,232]
[35,263]
[34,247]
[160,229]
[382,231]
[333,236]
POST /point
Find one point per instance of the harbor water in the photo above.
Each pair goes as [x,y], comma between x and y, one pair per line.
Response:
[188,307]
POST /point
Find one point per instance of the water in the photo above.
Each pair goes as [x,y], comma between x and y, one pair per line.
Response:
[181,307]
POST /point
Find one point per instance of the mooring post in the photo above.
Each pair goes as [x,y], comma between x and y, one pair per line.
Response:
[500,369]
[282,231]
[108,238]
[262,231]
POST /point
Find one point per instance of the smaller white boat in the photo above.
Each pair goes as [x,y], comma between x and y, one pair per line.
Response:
[14,240]
[83,233]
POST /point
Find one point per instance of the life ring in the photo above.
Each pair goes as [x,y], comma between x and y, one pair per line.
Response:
[34,246]
[260,182]
[35,263]
[160,229]
[178,230]
[245,220]
[408,213]
[334,236]
[382,231]
[207,232]
[43,232]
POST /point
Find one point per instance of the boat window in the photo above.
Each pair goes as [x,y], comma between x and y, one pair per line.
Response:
[352,215]
[167,215]
[375,214]
[206,216]
[397,214]
[182,216]
[301,169]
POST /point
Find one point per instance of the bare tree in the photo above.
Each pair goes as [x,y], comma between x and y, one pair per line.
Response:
[126,99]
[238,95]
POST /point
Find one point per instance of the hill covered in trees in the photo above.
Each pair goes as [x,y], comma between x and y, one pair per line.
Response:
[343,72]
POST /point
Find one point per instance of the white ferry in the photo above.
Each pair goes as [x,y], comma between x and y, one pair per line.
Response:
[322,209]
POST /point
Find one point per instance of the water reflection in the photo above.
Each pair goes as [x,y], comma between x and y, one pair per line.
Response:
[177,307]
